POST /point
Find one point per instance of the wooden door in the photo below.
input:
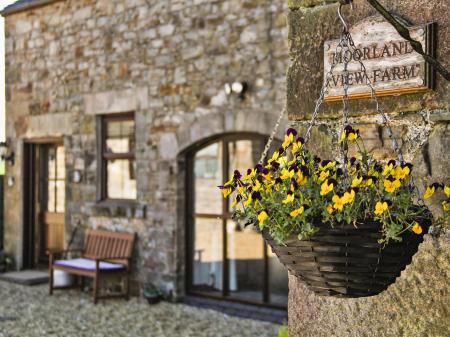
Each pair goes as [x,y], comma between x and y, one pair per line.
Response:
[51,198]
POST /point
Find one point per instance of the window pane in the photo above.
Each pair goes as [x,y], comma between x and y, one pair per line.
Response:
[51,162]
[208,256]
[278,280]
[51,191]
[121,180]
[208,175]
[60,163]
[120,136]
[245,248]
[60,196]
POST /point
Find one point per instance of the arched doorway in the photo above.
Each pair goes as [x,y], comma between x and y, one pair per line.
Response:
[225,259]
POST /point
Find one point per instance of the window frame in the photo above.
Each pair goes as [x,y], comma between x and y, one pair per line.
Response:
[103,156]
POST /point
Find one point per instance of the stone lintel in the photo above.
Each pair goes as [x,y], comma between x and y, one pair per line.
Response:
[116,101]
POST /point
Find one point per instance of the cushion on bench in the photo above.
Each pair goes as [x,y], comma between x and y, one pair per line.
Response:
[88,264]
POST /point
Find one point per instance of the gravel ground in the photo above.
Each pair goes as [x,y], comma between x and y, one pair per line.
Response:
[29,311]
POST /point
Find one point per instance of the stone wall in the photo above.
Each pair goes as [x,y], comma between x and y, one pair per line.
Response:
[417,304]
[167,61]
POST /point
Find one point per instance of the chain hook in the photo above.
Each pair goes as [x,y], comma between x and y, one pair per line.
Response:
[342,3]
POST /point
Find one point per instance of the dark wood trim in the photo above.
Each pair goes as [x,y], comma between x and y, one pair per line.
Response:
[103,155]
[29,211]
[45,140]
[114,156]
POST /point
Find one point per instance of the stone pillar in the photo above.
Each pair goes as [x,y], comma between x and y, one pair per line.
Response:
[417,304]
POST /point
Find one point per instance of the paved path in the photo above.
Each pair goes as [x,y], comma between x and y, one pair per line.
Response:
[28,311]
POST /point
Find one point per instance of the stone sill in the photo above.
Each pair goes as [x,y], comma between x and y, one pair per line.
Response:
[118,209]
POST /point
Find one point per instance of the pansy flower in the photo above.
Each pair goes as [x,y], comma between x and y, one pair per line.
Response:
[349,133]
[289,199]
[262,217]
[390,185]
[349,196]
[416,228]
[326,187]
[447,191]
[357,181]
[431,189]
[297,212]
[380,207]
[338,202]
[446,205]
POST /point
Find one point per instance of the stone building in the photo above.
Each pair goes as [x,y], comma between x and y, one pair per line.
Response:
[118,117]
[417,304]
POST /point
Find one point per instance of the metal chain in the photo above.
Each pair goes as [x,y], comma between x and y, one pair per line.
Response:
[385,118]
[272,136]
[319,102]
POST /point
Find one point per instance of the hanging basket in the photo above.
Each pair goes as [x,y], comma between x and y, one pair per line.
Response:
[347,261]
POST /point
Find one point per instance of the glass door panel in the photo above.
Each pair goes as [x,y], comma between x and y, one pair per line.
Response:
[278,279]
[245,249]
[208,175]
[208,256]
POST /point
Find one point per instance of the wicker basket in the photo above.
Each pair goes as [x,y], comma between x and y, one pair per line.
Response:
[347,261]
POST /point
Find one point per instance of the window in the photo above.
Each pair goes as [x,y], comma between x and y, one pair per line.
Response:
[116,140]
[226,259]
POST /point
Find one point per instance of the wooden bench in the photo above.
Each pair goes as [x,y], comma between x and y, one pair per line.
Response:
[105,254]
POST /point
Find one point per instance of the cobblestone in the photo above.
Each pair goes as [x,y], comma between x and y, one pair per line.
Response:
[30,312]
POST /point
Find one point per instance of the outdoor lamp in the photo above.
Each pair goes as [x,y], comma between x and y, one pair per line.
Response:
[4,153]
[239,88]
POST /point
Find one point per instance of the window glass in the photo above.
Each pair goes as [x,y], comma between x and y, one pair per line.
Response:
[208,175]
[121,180]
[118,157]
[208,255]
[245,249]
[120,136]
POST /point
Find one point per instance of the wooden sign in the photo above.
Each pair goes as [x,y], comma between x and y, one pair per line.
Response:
[392,65]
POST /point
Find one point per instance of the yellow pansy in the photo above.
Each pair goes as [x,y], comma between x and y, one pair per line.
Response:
[416,228]
[380,207]
[388,169]
[325,188]
[447,191]
[226,191]
[401,173]
[288,139]
[248,202]
[343,135]
[368,182]
[297,212]
[262,217]
[330,209]
[275,157]
[372,172]
[296,147]
[286,174]
[357,181]
[338,202]
[324,175]
[429,192]
[251,174]
[328,165]
[391,185]
[302,179]
[241,189]
[446,205]
[348,197]
[234,204]
[267,176]
[257,186]
[289,199]
[352,136]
